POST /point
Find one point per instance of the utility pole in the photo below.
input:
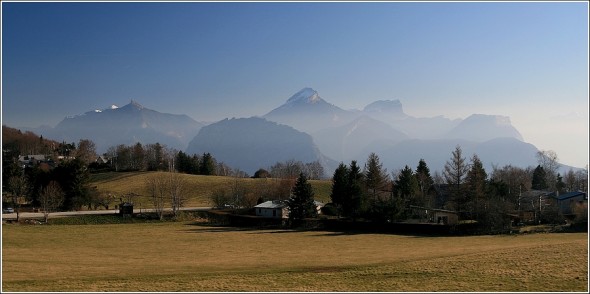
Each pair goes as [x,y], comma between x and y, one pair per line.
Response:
[540,208]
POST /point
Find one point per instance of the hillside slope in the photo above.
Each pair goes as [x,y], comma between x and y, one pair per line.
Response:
[199,190]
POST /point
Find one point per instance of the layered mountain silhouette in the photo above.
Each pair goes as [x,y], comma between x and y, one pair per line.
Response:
[348,142]
[495,152]
[127,125]
[253,143]
[398,138]
[308,128]
[480,127]
[308,112]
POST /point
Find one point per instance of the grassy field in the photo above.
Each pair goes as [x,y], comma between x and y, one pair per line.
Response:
[200,188]
[189,256]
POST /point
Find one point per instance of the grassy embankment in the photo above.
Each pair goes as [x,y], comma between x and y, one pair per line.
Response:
[199,190]
[186,256]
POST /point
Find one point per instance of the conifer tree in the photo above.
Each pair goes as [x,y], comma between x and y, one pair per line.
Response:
[376,177]
[476,185]
[454,173]
[425,182]
[406,185]
[339,192]
[355,203]
[207,165]
[301,204]
[539,179]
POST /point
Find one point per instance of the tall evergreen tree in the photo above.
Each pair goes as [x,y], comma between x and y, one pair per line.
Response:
[454,173]
[406,186]
[425,182]
[539,179]
[207,166]
[340,193]
[376,178]
[355,206]
[301,204]
[475,186]
[182,162]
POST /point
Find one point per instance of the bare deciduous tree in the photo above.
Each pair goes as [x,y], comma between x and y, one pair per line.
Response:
[86,151]
[51,198]
[177,186]
[18,186]
[162,189]
[156,187]
[549,161]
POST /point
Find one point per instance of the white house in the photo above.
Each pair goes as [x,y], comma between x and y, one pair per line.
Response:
[318,206]
[279,209]
[272,209]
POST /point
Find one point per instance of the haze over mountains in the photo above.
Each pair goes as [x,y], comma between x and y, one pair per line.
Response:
[253,143]
[308,128]
[127,125]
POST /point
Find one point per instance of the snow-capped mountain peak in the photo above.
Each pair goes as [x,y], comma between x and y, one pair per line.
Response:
[306,95]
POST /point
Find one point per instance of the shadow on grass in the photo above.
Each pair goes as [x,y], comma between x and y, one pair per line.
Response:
[217,228]
[315,232]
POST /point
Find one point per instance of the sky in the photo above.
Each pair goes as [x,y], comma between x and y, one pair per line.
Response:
[525,60]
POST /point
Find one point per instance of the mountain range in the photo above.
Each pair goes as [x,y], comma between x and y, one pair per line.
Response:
[253,143]
[126,125]
[308,128]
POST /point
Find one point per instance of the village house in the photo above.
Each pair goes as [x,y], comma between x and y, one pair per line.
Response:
[102,159]
[434,215]
[279,208]
[34,160]
[272,209]
[572,203]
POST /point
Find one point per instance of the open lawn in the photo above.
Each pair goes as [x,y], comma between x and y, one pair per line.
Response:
[199,189]
[188,256]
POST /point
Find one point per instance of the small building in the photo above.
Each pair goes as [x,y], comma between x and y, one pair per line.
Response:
[445,217]
[126,209]
[318,206]
[272,209]
[31,160]
[102,160]
[434,215]
[568,203]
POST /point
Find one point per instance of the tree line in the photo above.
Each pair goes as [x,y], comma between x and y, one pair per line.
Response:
[464,187]
[62,181]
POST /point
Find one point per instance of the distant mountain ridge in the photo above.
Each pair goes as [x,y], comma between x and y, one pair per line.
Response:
[130,124]
[253,143]
[346,135]
[480,127]
[307,111]
[308,128]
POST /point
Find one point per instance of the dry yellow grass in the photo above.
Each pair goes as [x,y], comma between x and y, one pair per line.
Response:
[199,187]
[192,257]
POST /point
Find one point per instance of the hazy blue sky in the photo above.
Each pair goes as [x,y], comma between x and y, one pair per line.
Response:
[528,61]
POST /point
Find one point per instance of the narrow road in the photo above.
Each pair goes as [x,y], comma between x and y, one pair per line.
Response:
[39,215]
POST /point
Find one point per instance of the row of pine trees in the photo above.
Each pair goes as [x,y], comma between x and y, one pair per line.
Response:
[369,193]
